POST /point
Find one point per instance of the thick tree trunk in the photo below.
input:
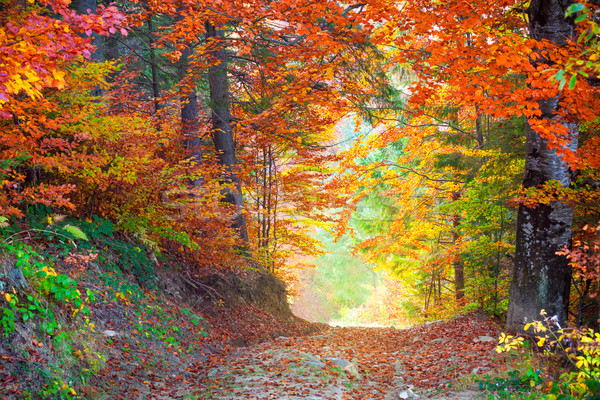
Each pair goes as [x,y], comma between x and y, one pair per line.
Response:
[189,107]
[189,115]
[541,278]
[222,129]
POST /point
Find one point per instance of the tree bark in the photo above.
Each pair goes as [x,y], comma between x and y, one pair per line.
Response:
[459,270]
[457,264]
[153,66]
[82,7]
[222,129]
[89,7]
[189,104]
[189,115]
[541,277]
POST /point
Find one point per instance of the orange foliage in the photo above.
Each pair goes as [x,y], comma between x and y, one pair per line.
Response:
[297,69]
[468,63]
[121,156]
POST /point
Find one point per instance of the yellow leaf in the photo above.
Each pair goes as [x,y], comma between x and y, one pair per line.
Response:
[49,271]
[502,338]
[59,76]
[7,297]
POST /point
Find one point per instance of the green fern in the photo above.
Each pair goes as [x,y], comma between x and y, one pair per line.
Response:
[142,237]
[75,232]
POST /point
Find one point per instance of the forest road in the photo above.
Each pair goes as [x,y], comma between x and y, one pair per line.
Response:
[424,361]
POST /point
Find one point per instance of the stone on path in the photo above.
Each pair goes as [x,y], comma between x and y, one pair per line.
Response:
[316,364]
[483,339]
[338,362]
[352,369]
[345,365]
[408,394]
[405,394]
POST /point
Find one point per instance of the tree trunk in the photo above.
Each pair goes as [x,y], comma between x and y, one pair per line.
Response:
[459,270]
[89,7]
[541,277]
[222,129]
[153,66]
[189,104]
[189,114]
[457,264]
[82,7]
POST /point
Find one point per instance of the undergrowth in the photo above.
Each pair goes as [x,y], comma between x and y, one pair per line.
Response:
[60,278]
[567,360]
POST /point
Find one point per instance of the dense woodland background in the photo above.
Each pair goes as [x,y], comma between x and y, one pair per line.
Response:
[391,162]
[425,155]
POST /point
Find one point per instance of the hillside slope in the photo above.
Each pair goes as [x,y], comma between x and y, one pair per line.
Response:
[93,314]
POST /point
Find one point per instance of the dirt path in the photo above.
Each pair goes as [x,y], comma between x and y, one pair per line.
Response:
[357,363]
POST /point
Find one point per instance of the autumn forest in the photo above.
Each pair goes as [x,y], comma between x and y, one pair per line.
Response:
[391,162]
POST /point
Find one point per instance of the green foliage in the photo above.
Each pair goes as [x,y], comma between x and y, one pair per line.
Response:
[55,387]
[159,323]
[43,225]
[99,228]
[8,319]
[76,232]
[587,62]
[130,258]
[46,287]
[195,319]
[67,235]
[55,309]
[341,279]
[150,320]
[515,385]
[61,288]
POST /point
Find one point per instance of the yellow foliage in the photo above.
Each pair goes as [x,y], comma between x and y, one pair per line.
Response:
[49,271]
[579,347]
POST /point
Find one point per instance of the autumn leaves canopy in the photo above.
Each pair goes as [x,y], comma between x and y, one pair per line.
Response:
[212,121]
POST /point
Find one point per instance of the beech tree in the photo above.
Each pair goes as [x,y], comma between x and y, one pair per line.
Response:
[542,278]
[494,60]
[222,129]
[244,100]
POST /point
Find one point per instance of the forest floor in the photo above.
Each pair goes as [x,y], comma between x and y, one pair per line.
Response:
[248,360]
[167,345]
[434,360]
